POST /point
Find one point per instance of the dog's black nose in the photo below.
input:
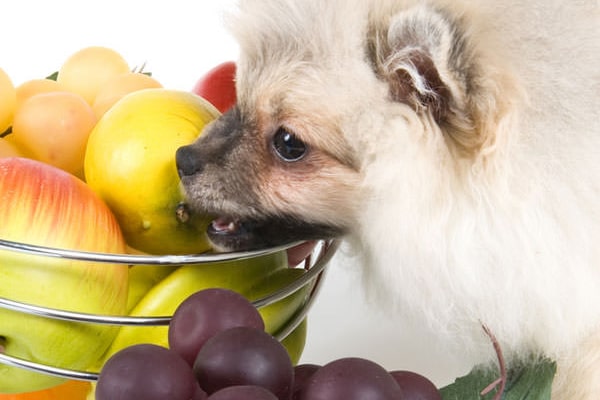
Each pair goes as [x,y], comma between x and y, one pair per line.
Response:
[187,161]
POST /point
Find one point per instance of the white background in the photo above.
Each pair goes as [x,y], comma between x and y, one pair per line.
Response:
[179,40]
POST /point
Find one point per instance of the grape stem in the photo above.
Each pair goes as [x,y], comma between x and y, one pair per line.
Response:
[500,383]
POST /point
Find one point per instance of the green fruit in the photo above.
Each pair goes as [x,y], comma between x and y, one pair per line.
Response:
[277,314]
[294,342]
[142,278]
[164,298]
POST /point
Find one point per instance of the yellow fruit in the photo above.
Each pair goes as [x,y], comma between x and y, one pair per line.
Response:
[36,86]
[7,149]
[120,85]
[54,128]
[8,100]
[130,163]
[164,298]
[88,69]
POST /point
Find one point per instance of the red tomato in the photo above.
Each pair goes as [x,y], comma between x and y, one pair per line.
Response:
[218,86]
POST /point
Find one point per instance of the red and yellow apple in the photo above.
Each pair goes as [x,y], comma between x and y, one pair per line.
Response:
[43,205]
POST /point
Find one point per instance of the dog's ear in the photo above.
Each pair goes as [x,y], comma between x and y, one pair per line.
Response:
[424,56]
[420,56]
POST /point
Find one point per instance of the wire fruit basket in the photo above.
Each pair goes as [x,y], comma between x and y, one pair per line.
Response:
[315,264]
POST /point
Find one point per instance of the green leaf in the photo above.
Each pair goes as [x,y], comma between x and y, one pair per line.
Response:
[469,387]
[53,76]
[531,381]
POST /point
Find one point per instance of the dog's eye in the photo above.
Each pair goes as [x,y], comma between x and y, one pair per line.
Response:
[287,146]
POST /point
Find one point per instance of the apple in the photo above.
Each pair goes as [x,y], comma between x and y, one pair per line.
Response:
[218,86]
[43,205]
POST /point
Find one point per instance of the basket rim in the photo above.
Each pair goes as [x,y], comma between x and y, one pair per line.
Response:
[312,273]
[150,259]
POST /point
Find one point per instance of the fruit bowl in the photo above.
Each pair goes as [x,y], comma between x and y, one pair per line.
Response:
[314,264]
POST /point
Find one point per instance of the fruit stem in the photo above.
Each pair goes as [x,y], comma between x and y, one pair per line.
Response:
[500,383]
[2,344]
[7,132]
[182,213]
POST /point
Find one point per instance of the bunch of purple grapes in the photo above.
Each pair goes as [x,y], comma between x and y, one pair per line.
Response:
[219,350]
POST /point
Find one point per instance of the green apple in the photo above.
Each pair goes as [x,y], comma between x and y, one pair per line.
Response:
[164,298]
[277,314]
[45,206]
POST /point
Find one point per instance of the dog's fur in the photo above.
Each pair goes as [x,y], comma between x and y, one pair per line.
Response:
[456,144]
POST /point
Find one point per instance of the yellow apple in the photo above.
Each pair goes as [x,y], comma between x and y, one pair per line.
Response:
[45,206]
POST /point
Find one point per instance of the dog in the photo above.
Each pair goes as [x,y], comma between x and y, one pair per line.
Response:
[454,145]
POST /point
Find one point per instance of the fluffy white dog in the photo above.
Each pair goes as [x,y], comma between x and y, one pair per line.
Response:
[455,144]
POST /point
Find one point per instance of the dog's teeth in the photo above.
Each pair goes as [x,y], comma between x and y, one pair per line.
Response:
[225,225]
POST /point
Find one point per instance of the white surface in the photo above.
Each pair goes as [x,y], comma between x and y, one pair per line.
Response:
[180,40]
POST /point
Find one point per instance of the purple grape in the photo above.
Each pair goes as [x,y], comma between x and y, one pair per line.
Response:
[351,379]
[243,392]
[149,372]
[302,373]
[244,356]
[205,313]
[415,386]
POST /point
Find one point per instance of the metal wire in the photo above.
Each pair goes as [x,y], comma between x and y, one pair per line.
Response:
[137,258]
[315,273]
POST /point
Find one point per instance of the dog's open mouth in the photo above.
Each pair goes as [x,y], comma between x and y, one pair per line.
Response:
[235,234]
[225,226]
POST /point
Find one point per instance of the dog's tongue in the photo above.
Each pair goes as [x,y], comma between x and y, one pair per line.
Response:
[224,225]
